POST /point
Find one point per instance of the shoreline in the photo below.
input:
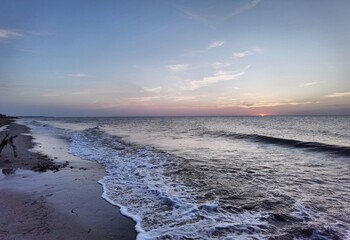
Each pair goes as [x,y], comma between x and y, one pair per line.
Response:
[64,204]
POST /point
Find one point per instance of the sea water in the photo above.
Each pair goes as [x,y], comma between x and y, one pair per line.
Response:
[219,177]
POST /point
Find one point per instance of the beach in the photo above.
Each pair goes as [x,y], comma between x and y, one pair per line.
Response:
[61,201]
[176,178]
[216,177]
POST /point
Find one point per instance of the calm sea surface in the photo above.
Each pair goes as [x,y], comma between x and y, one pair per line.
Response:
[219,177]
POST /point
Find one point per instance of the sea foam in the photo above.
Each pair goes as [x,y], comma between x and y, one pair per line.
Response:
[161,207]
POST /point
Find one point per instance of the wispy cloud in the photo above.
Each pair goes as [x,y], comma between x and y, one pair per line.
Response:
[338,94]
[250,52]
[242,54]
[258,104]
[194,53]
[9,34]
[60,94]
[309,84]
[178,67]
[244,8]
[217,77]
[149,100]
[77,75]
[153,90]
[142,99]
[193,15]
[209,18]
[78,93]
[182,98]
[19,33]
[218,65]
[51,94]
[274,104]
[216,44]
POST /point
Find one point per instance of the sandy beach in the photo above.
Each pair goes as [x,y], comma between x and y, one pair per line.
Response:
[64,204]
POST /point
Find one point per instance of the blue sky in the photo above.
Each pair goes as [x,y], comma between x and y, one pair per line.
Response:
[127,58]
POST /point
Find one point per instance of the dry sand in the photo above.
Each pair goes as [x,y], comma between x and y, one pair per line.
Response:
[66,204]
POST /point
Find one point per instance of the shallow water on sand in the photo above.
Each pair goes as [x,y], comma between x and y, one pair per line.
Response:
[220,178]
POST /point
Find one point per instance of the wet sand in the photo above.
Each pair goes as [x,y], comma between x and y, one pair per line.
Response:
[23,142]
[64,204]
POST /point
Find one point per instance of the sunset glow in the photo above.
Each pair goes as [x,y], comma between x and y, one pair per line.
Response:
[145,58]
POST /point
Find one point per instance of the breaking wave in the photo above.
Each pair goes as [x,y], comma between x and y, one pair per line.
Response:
[163,208]
[312,146]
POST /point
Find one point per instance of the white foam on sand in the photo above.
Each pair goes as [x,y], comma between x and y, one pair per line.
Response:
[3,128]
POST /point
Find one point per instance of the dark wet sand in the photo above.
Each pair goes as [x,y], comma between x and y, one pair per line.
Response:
[66,204]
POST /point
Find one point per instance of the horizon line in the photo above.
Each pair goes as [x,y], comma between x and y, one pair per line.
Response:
[179,116]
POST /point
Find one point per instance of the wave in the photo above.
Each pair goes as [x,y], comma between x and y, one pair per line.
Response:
[162,208]
[185,194]
[312,146]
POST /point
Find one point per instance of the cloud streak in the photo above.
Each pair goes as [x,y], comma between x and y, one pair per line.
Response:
[178,67]
[9,34]
[77,75]
[211,46]
[18,33]
[152,90]
[216,44]
[250,52]
[244,8]
[217,77]
[218,65]
[261,104]
[309,84]
[60,94]
[182,98]
[208,18]
[338,95]
[193,15]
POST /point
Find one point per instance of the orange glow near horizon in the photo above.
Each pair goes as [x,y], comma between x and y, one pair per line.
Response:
[262,114]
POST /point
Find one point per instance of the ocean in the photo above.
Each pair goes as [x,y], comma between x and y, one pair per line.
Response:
[218,177]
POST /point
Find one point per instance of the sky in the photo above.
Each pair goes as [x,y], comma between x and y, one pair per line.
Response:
[174,58]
